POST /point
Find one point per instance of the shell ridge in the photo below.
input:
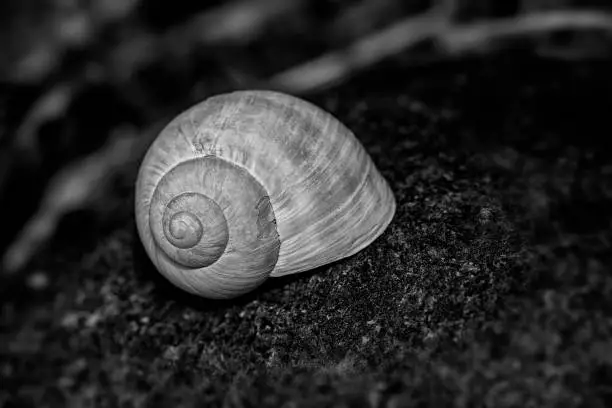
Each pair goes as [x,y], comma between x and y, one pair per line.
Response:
[322,190]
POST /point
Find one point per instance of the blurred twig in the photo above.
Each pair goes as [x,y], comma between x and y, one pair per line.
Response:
[72,188]
[473,36]
[451,40]
[239,21]
[336,65]
[49,106]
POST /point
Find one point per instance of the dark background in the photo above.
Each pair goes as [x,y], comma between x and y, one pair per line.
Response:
[491,287]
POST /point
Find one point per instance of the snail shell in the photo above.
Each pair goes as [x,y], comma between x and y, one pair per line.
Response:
[253,184]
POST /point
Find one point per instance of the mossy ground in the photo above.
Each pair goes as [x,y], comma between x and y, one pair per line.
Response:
[491,287]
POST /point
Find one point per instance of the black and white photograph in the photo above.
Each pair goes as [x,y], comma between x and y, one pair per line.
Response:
[306,203]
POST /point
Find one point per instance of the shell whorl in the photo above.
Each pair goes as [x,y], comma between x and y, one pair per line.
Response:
[205,226]
[187,225]
[253,184]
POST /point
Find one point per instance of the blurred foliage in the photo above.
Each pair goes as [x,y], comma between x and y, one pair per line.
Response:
[85,80]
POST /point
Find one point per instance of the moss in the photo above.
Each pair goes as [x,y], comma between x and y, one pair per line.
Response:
[490,287]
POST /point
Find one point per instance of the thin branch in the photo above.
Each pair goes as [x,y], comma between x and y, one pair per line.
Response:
[239,21]
[336,65]
[51,105]
[332,67]
[464,38]
[70,189]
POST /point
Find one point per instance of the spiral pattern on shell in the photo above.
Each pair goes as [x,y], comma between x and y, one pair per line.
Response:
[254,184]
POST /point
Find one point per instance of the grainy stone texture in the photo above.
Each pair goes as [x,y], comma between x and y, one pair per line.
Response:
[491,287]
